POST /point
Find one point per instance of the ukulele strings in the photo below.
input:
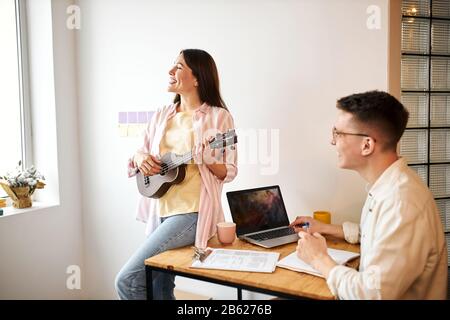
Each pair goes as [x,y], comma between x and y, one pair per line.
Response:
[186,157]
[173,164]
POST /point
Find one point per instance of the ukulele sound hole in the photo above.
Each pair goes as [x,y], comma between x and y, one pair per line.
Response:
[146,180]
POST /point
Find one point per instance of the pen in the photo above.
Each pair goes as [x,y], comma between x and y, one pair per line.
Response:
[303,225]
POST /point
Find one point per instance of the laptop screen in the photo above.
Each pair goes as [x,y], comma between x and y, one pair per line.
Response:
[257,209]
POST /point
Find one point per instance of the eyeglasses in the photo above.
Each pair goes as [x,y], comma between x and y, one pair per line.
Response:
[337,134]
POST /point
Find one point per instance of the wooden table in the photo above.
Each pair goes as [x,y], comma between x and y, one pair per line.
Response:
[282,282]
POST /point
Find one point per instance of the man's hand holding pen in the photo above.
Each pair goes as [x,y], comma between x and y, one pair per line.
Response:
[308,224]
[312,246]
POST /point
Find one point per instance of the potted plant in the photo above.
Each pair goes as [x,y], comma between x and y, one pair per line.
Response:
[21,184]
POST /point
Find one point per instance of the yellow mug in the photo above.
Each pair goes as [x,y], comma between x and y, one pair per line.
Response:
[323,216]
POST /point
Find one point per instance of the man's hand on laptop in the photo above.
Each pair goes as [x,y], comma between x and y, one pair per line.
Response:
[308,224]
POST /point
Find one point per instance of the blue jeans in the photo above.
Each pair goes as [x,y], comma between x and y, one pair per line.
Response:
[173,232]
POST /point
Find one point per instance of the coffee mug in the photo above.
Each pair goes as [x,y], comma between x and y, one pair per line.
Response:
[226,232]
[323,216]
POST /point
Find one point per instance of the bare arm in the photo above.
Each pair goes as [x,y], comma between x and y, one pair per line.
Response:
[218,169]
[334,230]
[317,226]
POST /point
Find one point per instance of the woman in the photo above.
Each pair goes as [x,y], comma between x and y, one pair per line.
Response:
[189,212]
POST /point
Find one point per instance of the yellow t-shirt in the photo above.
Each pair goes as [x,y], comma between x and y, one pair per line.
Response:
[185,196]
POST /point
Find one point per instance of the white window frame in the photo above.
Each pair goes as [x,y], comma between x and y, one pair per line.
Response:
[38,114]
[24,86]
[24,83]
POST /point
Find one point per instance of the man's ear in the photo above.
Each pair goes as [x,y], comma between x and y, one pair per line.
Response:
[367,146]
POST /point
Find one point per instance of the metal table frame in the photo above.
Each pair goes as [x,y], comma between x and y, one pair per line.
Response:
[149,281]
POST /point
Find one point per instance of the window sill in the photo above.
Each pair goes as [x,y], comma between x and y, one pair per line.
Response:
[37,206]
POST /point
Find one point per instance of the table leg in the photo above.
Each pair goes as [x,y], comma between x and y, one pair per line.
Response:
[149,282]
[239,293]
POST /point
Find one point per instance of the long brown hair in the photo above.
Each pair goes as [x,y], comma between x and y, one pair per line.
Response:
[204,69]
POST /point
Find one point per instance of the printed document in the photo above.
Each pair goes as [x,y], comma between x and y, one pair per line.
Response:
[239,260]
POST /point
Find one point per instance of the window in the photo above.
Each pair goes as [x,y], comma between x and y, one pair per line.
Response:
[14,110]
[425,84]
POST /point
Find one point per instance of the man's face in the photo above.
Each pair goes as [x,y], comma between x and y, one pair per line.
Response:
[348,147]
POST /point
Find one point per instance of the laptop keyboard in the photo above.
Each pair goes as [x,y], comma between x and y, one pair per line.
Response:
[272,234]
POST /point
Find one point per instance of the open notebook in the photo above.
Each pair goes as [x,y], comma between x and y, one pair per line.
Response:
[293,262]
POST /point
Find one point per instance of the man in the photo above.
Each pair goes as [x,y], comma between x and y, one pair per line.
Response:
[403,249]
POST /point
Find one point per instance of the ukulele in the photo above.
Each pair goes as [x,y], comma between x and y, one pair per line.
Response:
[173,167]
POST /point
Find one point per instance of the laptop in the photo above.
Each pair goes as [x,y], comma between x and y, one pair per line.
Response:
[260,216]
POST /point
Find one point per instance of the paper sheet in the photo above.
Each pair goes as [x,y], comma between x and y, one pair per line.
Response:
[239,260]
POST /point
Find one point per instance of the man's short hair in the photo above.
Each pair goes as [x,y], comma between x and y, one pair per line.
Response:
[378,109]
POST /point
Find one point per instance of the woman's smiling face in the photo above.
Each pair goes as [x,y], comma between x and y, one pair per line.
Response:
[181,79]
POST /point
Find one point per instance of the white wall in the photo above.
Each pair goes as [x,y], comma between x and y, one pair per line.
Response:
[36,247]
[282,65]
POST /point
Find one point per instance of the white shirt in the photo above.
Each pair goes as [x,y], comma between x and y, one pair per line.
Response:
[403,249]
